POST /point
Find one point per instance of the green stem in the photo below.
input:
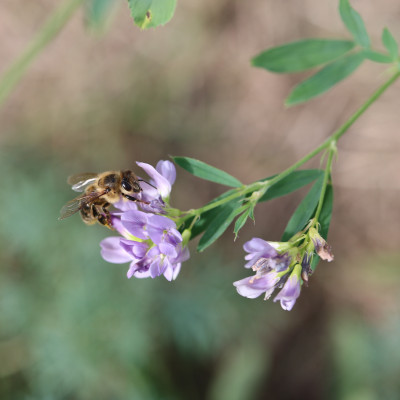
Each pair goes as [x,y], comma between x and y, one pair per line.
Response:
[238,193]
[328,170]
[329,142]
[339,132]
[48,32]
[336,135]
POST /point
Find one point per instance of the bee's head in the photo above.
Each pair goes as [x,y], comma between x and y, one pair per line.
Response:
[129,186]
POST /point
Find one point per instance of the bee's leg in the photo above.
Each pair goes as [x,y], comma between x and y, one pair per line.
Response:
[131,198]
[102,214]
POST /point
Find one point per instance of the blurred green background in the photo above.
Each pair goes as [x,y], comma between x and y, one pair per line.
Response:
[73,327]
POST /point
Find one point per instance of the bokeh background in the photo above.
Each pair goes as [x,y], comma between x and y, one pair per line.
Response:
[74,327]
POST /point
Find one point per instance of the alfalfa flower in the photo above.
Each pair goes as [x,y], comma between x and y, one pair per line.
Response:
[152,245]
[150,242]
[276,267]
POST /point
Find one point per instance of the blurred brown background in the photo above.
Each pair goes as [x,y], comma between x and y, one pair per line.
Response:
[73,327]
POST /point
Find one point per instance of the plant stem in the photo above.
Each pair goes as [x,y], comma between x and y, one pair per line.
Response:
[339,132]
[48,32]
[336,135]
[329,142]
[328,170]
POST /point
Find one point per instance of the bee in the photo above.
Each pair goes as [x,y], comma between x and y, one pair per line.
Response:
[99,192]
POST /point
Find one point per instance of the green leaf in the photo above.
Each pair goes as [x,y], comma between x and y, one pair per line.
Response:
[324,79]
[354,23]
[291,183]
[326,212]
[207,172]
[301,55]
[377,57]
[241,220]
[304,211]
[151,13]
[205,219]
[390,43]
[99,12]
[219,224]
[324,220]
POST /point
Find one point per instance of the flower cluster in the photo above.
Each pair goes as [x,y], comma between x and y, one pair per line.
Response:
[279,265]
[150,242]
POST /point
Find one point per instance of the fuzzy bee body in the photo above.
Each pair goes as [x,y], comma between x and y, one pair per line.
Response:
[99,192]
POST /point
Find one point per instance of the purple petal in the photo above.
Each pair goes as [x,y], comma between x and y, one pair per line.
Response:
[252,261]
[168,249]
[161,222]
[170,272]
[167,170]
[135,223]
[183,255]
[142,274]
[252,287]
[138,273]
[136,249]
[289,293]
[156,205]
[173,236]
[257,245]
[177,268]
[140,269]
[117,224]
[132,269]
[156,227]
[163,185]
[125,205]
[288,304]
[112,251]
[158,266]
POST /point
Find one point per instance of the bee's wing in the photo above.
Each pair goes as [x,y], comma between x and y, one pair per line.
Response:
[80,181]
[78,203]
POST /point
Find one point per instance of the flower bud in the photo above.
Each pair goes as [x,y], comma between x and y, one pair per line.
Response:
[322,248]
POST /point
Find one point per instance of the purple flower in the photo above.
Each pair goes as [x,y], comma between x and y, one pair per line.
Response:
[145,226]
[162,259]
[150,242]
[157,193]
[273,268]
[291,289]
[146,259]
[253,286]
[162,177]
[261,249]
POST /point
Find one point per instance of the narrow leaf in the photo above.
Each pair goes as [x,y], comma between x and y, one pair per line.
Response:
[304,211]
[205,219]
[326,212]
[324,220]
[151,13]
[390,43]
[291,183]
[219,224]
[324,79]
[241,220]
[377,57]
[354,23]
[207,172]
[301,55]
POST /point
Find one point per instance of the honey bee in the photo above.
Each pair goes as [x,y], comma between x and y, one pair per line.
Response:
[100,191]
